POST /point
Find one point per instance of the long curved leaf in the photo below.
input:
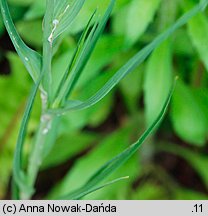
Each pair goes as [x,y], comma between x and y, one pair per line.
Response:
[81,193]
[18,173]
[83,53]
[72,75]
[112,165]
[133,62]
[30,58]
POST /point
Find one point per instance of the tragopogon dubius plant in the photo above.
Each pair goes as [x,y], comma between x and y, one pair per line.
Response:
[59,15]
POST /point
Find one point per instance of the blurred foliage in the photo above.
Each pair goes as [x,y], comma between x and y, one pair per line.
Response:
[89,138]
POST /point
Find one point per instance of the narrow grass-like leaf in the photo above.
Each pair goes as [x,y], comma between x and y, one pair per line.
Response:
[83,192]
[91,43]
[84,39]
[120,159]
[18,173]
[83,53]
[132,63]
[30,58]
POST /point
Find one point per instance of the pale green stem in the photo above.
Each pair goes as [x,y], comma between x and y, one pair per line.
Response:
[44,141]
[48,48]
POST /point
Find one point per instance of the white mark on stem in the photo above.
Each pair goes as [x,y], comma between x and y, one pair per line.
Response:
[45,131]
[50,38]
[44,98]
[55,24]
[26,59]
[46,120]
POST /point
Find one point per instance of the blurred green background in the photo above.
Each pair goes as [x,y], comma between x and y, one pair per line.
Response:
[173,163]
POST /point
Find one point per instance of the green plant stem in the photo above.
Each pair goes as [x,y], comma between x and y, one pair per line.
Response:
[44,141]
[48,49]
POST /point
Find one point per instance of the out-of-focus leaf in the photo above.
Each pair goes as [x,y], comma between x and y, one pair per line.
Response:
[21,2]
[11,87]
[31,32]
[132,20]
[36,10]
[67,146]
[139,16]
[30,58]
[149,191]
[186,194]
[102,58]
[182,44]
[197,160]
[188,117]
[89,8]
[1,25]
[201,96]
[198,28]
[157,83]
[131,86]
[100,113]
[109,147]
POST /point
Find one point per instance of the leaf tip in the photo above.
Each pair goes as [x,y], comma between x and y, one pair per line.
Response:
[125,177]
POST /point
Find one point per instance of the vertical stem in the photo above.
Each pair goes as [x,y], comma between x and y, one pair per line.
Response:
[45,138]
[46,134]
[47,48]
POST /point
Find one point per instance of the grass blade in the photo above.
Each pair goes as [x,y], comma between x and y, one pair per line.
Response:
[82,192]
[131,64]
[112,165]
[90,46]
[30,58]
[18,173]
[74,74]
[82,55]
